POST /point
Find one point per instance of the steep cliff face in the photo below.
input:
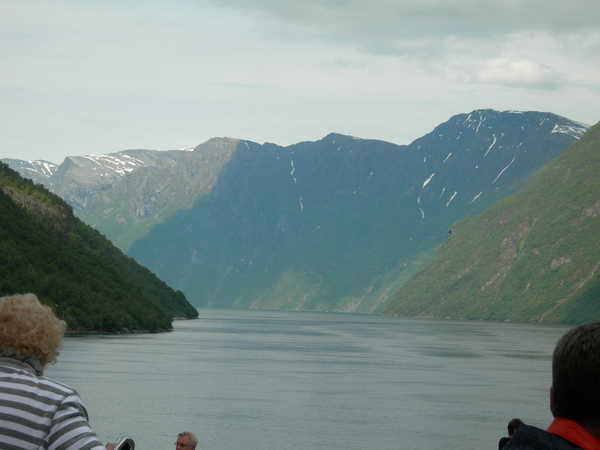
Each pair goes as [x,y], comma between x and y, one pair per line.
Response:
[339,224]
[531,257]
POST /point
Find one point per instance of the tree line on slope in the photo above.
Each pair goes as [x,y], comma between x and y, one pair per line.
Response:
[90,284]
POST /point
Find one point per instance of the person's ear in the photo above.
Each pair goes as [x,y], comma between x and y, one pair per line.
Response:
[552,405]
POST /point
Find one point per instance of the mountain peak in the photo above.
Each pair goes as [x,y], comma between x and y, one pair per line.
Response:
[219,143]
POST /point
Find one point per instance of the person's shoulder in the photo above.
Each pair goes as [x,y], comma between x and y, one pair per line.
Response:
[24,378]
[529,437]
[502,442]
[57,386]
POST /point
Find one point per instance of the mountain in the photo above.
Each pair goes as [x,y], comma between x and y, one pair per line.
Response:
[533,256]
[70,266]
[37,171]
[338,224]
[125,194]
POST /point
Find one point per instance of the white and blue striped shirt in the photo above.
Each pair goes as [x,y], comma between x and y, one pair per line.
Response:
[39,413]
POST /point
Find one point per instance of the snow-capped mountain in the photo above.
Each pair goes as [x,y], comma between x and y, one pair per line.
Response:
[39,171]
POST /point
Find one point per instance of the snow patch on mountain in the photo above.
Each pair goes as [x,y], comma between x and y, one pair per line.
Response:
[575,131]
[490,147]
[292,172]
[451,198]
[427,180]
[502,171]
[476,197]
[38,170]
[118,163]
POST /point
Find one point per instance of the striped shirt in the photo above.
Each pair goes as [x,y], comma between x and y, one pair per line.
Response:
[39,413]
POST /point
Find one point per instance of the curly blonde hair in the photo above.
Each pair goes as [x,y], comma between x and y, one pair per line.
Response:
[30,328]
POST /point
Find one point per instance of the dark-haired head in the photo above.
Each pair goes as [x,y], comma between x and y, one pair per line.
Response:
[513,426]
[576,376]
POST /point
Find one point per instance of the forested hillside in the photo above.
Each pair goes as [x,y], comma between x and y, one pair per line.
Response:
[46,250]
[535,256]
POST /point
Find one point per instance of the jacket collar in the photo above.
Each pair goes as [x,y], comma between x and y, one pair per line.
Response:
[575,433]
[8,357]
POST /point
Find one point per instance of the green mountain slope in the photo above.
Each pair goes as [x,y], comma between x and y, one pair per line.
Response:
[92,286]
[533,256]
[339,224]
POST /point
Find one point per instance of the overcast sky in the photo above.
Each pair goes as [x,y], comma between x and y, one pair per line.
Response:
[82,77]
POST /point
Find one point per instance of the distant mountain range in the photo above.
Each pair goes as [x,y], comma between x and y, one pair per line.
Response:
[334,225]
[125,194]
[534,256]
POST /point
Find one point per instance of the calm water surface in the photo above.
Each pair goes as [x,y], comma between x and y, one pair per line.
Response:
[294,380]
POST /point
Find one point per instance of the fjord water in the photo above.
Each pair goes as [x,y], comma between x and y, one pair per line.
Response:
[248,379]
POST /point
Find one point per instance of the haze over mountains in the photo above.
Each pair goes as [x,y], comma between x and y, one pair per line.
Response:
[338,224]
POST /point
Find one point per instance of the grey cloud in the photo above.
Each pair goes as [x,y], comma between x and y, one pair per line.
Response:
[394,26]
[499,42]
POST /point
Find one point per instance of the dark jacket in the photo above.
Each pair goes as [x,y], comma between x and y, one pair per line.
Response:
[532,438]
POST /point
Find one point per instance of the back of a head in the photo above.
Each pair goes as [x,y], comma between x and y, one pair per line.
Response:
[30,328]
[576,375]
[513,426]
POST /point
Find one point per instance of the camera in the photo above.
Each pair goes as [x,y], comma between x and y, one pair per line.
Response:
[124,443]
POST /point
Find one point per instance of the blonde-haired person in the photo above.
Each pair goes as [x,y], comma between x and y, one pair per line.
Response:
[36,411]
